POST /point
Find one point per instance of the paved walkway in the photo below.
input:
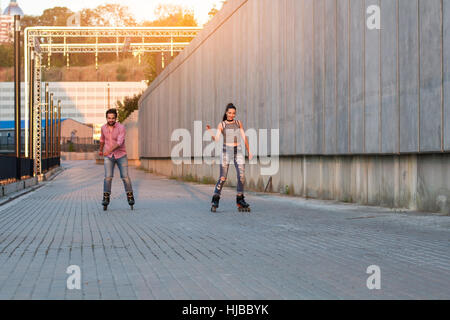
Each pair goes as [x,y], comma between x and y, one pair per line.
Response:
[172,247]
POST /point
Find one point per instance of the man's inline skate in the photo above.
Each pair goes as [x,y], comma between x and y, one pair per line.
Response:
[130,199]
[106,200]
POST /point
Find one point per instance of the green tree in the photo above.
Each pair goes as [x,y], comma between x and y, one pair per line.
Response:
[168,15]
[121,73]
[29,21]
[150,67]
[6,55]
[112,15]
[56,16]
[173,16]
[127,106]
[214,10]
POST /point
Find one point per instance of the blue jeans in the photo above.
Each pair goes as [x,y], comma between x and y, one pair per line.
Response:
[122,163]
[236,156]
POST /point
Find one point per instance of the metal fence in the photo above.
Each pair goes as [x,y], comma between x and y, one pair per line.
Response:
[49,163]
[8,167]
[72,147]
[7,145]
[77,140]
[77,144]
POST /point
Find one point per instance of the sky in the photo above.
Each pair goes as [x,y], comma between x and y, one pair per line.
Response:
[141,9]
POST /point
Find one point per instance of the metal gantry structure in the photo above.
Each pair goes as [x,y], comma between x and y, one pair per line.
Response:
[39,41]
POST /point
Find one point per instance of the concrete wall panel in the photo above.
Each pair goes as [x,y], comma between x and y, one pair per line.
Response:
[372,121]
[298,13]
[343,79]
[319,75]
[289,86]
[309,129]
[313,70]
[330,114]
[446,73]
[390,121]
[430,75]
[357,58]
[409,74]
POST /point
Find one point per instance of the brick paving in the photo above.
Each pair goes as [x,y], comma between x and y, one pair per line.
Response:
[172,247]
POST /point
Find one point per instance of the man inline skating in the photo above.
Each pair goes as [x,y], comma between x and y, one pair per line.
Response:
[112,148]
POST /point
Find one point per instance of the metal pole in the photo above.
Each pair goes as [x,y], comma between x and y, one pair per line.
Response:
[109,97]
[27,63]
[30,106]
[51,142]
[47,106]
[59,128]
[18,129]
[55,130]
[37,107]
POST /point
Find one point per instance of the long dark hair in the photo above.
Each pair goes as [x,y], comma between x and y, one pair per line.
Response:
[229,106]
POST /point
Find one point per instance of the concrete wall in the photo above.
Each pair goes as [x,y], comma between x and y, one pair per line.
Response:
[12,188]
[333,87]
[417,182]
[315,71]
[132,136]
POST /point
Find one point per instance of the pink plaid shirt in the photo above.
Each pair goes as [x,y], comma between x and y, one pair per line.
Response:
[112,137]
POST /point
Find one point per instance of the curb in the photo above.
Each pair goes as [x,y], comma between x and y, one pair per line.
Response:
[20,194]
[49,176]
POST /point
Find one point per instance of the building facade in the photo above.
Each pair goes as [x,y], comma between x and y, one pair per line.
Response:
[6,28]
[7,21]
[85,102]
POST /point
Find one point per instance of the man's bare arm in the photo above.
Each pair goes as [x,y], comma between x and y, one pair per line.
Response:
[102,146]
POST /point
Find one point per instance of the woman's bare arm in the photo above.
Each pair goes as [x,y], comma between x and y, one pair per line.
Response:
[218,133]
[250,156]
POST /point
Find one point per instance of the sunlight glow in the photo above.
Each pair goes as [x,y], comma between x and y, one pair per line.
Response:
[143,10]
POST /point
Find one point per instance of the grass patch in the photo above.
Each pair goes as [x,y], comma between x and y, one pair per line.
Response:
[189,178]
[145,170]
[208,180]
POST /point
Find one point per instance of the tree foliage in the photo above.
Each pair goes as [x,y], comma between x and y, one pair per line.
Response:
[168,15]
[56,16]
[108,15]
[127,106]
[6,55]
[214,10]
[172,15]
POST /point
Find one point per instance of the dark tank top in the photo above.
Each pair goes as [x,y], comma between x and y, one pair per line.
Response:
[231,132]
